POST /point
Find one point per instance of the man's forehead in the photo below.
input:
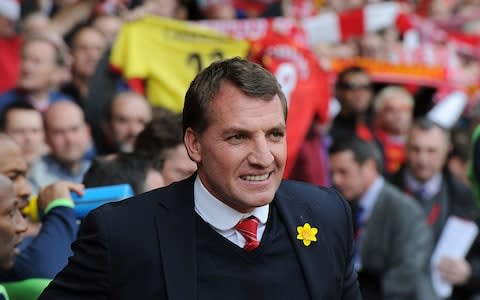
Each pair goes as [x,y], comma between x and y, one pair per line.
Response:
[11,157]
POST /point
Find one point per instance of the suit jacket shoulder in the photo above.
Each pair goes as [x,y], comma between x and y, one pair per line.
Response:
[327,262]
[397,245]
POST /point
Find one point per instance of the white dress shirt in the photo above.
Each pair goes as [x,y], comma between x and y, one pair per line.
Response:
[222,218]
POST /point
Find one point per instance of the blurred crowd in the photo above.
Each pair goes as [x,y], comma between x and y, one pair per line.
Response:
[385,109]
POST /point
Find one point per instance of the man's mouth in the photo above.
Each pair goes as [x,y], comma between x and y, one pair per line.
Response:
[256,177]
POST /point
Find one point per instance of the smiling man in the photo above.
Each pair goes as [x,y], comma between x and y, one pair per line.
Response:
[234,229]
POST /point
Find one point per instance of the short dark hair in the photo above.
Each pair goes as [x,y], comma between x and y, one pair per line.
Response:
[18,104]
[123,168]
[362,151]
[426,124]
[250,78]
[346,72]
[162,133]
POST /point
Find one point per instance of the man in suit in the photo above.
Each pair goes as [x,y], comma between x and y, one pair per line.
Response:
[393,242]
[440,195]
[233,230]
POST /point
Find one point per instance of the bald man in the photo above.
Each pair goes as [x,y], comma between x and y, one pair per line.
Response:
[68,136]
[46,252]
[12,226]
[126,116]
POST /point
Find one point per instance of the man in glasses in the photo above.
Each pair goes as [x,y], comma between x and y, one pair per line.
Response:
[353,90]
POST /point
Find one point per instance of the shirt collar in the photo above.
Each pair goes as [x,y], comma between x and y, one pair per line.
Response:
[430,187]
[218,214]
[369,198]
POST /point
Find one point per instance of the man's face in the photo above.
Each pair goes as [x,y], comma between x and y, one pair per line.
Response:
[37,66]
[426,152]
[130,114]
[87,50]
[241,155]
[12,226]
[14,166]
[355,94]
[347,175]
[25,127]
[177,165]
[395,117]
[67,133]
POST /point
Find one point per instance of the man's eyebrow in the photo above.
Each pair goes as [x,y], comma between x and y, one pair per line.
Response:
[235,130]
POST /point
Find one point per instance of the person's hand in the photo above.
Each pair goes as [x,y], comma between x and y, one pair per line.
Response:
[455,271]
[58,190]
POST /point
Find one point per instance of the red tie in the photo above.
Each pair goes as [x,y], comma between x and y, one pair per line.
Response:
[248,229]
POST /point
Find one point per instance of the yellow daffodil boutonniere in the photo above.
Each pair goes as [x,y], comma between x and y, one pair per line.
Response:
[307,234]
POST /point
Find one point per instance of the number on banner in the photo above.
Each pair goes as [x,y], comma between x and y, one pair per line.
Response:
[287,77]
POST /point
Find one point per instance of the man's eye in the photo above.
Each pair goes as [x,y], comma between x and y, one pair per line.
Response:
[278,134]
[237,137]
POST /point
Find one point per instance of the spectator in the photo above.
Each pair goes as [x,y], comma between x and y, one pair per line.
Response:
[441,195]
[354,92]
[68,137]
[393,242]
[24,125]
[312,160]
[138,171]
[12,224]
[10,43]
[162,140]
[393,113]
[42,67]
[88,46]
[125,117]
[45,253]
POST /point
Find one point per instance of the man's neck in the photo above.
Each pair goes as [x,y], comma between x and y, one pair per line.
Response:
[81,83]
[71,167]
[38,96]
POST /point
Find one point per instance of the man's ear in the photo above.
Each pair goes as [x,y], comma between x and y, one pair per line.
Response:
[192,144]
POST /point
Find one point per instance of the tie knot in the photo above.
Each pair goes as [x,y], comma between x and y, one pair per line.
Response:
[248,229]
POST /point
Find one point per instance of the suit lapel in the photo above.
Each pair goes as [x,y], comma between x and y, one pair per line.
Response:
[316,259]
[176,234]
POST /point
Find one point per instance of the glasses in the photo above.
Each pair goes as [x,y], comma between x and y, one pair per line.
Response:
[351,86]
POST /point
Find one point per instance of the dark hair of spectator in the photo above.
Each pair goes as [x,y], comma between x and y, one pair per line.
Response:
[123,168]
[341,77]
[160,134]
[20,105]
[362,151]
[425,124]
[250,78]
[78,30]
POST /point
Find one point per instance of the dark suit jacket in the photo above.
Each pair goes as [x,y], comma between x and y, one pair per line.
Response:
[397,244]
[144,247]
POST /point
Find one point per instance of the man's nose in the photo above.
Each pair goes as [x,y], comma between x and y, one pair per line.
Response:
[261,153]
[20,222]
[22,187]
